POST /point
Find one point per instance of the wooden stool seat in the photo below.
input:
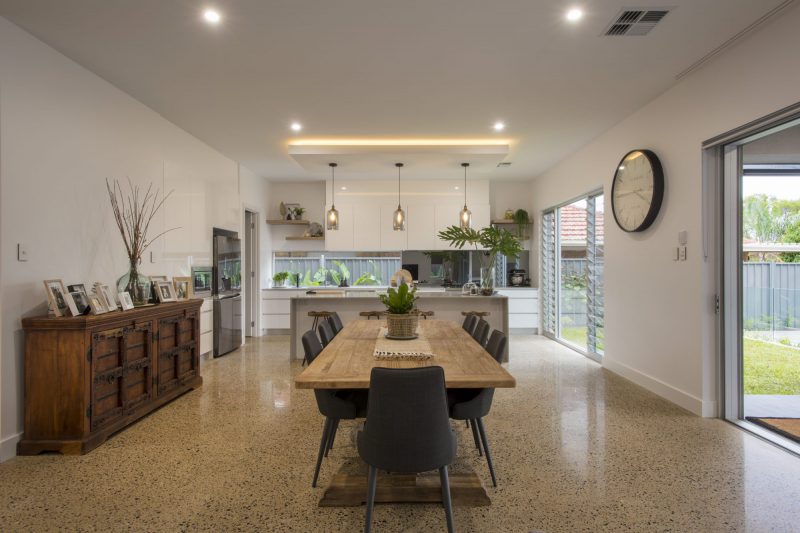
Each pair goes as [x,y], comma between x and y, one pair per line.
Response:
[370,314]
[476,313]
[425,314]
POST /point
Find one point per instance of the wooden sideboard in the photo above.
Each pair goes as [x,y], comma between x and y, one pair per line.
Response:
[88,377]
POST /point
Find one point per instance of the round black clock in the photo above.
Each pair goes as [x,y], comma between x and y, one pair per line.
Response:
[637,190]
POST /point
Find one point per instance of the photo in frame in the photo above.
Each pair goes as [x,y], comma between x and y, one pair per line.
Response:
[109,298]
[59,298]
[125,300]
[165,291]
[79,297]
[183,287]
[97,304]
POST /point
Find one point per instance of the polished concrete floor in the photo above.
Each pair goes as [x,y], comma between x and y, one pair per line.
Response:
[576,449]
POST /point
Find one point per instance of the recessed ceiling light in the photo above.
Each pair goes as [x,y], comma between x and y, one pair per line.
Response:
[344,188]
[296,126]
[212,16]
[499,126]
[574,14]
[456,187]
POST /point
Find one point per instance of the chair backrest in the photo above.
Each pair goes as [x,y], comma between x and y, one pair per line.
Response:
[336,323]
[481,332]
[311,345]
[326,333]
[408,427]
[469,324]
[497,345]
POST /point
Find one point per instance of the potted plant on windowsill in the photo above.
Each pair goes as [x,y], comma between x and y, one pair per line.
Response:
[491,242]
[401,316]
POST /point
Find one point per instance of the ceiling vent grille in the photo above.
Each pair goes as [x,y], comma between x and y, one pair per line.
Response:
[635,22]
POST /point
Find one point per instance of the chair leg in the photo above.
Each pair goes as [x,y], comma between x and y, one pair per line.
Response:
[332,436]
[467,422]
[482,431]
[323,444]
[476,438]
[448,506]
[372,483]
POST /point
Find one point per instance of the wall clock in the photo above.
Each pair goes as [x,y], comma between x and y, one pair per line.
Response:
[637,190]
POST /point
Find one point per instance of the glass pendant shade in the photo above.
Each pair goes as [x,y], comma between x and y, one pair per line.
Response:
[399,222]
[332,216]
[465,218]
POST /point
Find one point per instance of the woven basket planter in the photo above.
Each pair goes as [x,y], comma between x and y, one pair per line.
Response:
[402,325]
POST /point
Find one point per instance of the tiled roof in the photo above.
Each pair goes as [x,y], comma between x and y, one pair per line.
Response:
[573,226]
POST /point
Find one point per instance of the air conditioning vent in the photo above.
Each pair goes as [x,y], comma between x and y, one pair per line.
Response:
[504,164]
[635,22]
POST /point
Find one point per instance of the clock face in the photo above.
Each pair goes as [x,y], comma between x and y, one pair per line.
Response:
[637,190]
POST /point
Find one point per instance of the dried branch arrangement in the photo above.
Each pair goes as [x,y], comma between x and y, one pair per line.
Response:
[134,210]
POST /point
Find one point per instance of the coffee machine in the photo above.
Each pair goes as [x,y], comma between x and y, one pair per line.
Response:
[516,277]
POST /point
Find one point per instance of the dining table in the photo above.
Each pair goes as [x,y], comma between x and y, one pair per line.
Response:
[346,363]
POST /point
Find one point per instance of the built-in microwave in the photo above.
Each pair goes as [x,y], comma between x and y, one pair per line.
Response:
[202,279]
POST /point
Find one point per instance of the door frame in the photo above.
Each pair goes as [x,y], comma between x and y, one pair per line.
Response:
[252,281]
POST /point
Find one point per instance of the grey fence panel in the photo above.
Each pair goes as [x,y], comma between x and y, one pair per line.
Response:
[771,296]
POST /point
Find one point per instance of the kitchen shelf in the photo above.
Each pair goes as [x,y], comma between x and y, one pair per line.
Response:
[506,221]
[280,222]
[301,238]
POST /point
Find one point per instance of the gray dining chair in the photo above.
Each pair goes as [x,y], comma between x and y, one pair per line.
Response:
[481,332]
[326,333]
[334,405]
[497,345]
[336,323]
[469,323]
[407,429]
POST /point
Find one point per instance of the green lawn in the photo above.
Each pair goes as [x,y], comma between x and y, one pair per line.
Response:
[577,335]
[770,368]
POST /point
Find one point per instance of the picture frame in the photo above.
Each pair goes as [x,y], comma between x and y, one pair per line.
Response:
[59,299]
[165,291]
[109,298]
[97,304]
[125,300]
[79,297]
[183,287]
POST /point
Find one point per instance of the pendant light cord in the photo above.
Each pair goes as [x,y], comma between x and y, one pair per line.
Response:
[399,166]
[465,186]
[333,183]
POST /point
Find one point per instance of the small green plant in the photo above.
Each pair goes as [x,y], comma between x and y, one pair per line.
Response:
[785,341]
[298,212]
[492,240]
[399,301]
[370,278]
[280,278]
[521,219]
[340,278]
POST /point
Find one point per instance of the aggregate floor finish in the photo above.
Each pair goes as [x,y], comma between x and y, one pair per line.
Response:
[576,448]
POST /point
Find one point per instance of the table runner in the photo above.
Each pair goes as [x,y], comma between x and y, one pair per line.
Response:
[418,348]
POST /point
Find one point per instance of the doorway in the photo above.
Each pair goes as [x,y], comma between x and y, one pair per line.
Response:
[252,278]
[761,250]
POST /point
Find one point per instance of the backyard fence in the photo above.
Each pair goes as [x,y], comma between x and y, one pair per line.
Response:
[771,296]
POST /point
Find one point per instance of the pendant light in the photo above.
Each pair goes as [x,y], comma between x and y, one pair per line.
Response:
[465,217]
[399,222]
[333,215]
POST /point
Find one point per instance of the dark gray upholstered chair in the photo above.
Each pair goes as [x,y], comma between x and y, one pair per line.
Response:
[497,345]
[333,405]
[336,323]
[407,429]
[326,333]
[472,405]
[481,332]
[469,323]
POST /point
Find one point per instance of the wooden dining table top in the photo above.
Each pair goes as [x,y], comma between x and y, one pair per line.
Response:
[347,361]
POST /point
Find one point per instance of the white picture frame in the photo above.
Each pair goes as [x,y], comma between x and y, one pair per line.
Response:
[165,292]
[97,303]
[125,301]
[59,299]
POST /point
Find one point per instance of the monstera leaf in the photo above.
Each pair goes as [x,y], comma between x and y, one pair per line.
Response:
[399,301]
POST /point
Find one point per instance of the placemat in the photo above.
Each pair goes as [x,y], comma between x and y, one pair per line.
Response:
[418,348]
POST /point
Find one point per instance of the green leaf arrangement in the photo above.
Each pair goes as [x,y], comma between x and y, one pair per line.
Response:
[399,301]
[491,240]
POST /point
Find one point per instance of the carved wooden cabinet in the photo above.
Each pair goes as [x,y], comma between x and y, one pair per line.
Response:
[90,376]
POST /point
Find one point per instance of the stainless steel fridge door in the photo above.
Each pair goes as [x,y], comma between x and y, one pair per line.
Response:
[227,324]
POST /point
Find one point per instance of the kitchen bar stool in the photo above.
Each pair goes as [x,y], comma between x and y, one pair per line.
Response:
[425,314]
[479,314]
[317,315]
[370,314]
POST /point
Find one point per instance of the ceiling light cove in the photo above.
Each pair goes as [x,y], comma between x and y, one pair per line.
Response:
[575,14]
[212,16]
[400,142]
[499,126]
[296,126]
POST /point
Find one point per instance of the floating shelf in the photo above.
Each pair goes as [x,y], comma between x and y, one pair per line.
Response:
[503,221]
[301,238]
[280,222]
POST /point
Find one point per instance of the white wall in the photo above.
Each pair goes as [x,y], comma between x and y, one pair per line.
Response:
[659,315]
[311,196]
[63,131]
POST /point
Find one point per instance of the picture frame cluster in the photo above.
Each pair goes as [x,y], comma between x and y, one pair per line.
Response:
[75,300]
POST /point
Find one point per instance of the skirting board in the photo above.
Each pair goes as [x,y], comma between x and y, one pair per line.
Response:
[8,447]
[677,396]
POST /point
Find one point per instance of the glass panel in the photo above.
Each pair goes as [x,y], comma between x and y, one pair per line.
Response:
[595,263]
[573,285]
[549,273]
[329,269]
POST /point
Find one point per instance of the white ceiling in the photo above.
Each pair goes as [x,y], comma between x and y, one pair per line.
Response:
[366,69]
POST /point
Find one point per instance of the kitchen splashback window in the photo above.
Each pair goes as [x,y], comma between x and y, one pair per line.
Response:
[321,269]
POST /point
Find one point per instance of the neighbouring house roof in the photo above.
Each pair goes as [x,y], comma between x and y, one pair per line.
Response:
[573,226]
[767,247]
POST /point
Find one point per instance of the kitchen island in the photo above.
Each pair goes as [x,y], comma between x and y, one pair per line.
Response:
[446,305]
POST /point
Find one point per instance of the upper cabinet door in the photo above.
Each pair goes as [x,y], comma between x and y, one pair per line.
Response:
[367,228]
[391,240]
[481,216]
[341,239]
[421,227]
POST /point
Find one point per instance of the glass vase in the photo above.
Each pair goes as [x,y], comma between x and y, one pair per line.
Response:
[487,281]
[136,284]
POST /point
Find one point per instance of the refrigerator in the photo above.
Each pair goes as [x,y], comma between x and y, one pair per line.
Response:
[227,291]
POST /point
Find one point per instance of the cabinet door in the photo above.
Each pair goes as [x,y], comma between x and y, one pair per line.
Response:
[178,357]
[421,227]
[391,240]
[342,238]
[366,228]
[481,216]
[108,359]
[137,372]
[446,216]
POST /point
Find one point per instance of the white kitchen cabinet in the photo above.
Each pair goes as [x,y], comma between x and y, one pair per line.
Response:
[391,240]
[275,306]
[206,326]
[421,227]
[523,308]
[341,239]
[481,216]
[367,227]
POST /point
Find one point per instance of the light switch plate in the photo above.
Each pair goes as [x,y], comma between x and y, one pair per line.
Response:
[682,237]
[676,254]
[682,253]
[22,252]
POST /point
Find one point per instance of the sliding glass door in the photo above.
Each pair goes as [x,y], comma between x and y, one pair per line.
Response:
[572,274]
